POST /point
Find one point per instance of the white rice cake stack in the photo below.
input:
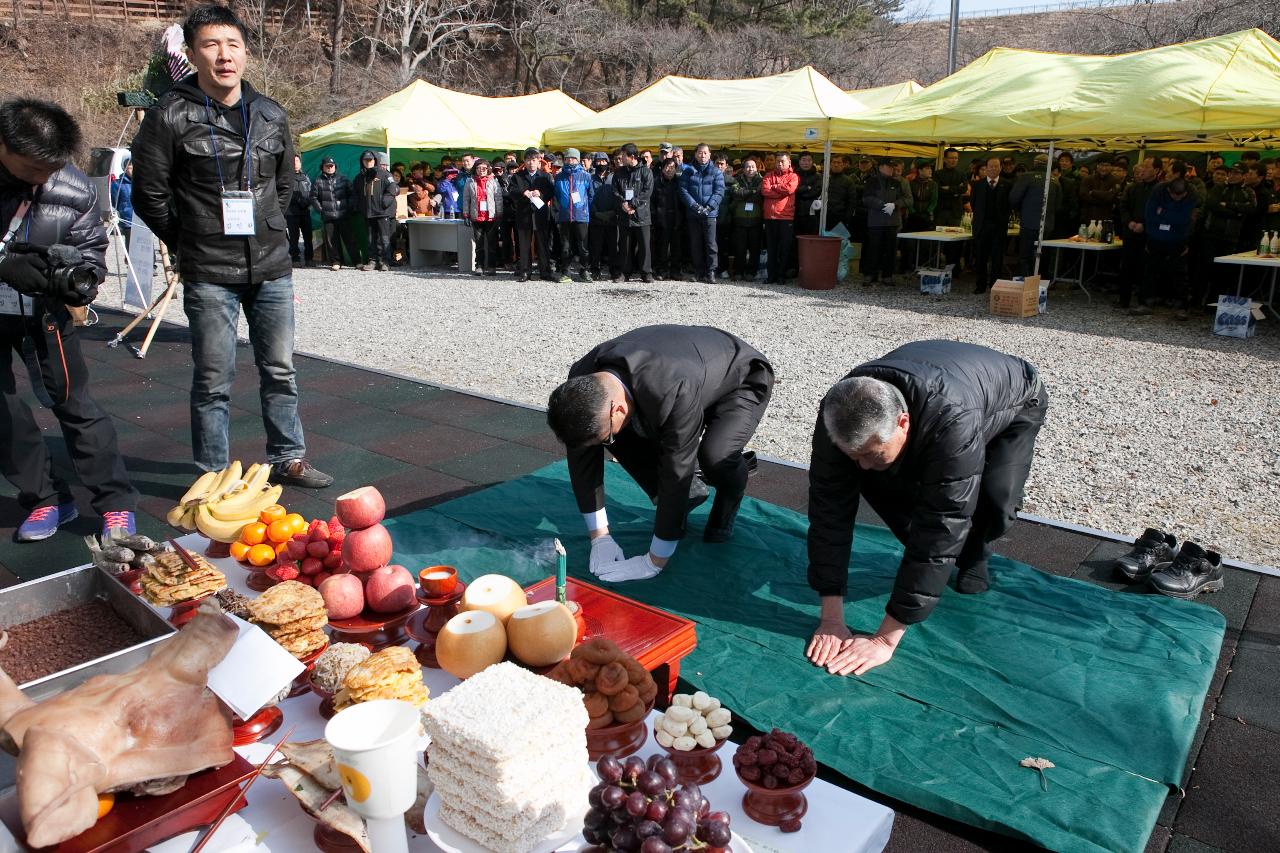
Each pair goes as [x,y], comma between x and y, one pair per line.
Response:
[508,757]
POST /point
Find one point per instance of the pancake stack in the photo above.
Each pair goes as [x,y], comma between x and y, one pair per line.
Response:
[294,615]
[170,580]
[393,673]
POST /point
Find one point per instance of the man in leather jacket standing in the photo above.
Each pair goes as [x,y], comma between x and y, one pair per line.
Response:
[938,436]
[46,202]
[213,178]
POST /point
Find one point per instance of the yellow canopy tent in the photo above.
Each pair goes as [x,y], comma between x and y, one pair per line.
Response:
[882,96]
[426,117]
[1221,92]
[791,109]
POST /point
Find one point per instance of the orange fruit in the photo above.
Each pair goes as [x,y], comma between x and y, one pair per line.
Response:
[299,523]
[254,533]
[281,547]
[280,531]
[240,550]
[262,555]
[105,803]
[275,512]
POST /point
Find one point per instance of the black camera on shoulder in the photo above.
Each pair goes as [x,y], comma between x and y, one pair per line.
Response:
[58,272]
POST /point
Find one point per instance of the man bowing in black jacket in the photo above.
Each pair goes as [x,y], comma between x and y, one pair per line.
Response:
[664,400]
[939,437]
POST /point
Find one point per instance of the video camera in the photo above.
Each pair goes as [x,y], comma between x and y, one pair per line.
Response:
[69,277]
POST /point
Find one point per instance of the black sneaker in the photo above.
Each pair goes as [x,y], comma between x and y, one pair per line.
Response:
[299,472]
[648,279]
[1193,571]
[618,279]
[1153,547]
[749,456]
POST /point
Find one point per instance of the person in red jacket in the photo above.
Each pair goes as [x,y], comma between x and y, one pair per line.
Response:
[779,191]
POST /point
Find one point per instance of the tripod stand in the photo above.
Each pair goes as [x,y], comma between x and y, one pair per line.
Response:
[156,311]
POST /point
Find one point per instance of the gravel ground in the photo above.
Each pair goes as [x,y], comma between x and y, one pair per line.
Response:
[1152,422]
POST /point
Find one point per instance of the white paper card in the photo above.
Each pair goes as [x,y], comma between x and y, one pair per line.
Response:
[573,197]
[253,672]
[749,206]
[628,195]
[484,207]
[11,300]
[537,203]
[237,214]
[1164,226]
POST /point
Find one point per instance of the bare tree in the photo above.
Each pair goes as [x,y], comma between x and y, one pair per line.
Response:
[421,29]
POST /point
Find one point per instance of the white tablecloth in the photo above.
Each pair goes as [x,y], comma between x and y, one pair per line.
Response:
[273,822]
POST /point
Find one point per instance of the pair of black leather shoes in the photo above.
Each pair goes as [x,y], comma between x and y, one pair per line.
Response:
[1183,573]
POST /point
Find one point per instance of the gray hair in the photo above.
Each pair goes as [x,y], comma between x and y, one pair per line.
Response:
[860,408]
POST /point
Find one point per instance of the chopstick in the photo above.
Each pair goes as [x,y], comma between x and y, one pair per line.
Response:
[243,792]
[185,555]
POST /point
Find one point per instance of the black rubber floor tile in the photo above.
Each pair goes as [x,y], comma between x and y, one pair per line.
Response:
[463,411]
[1185,844]
[1159,839]
[1250,692]
[431,443]
[496,464]
[64,550]
[781,485]
[1231,802]
[543,439]
[350,470]
[1099,567]
[383,392]
[421,487]
[912,834]
[1048,549]
[432,406]
[1263,623]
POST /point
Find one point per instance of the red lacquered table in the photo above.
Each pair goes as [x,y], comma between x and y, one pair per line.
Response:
[655,638]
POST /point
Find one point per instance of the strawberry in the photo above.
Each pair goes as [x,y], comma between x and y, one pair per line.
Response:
[336,537]
[307,579]
[317,531]
[335,526]
[285,571]
[332,561]
[321,578]
[297,550]
[299,537]
[318,549]
[311,566]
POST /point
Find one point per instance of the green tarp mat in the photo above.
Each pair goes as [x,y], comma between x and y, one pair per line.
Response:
[1107,686]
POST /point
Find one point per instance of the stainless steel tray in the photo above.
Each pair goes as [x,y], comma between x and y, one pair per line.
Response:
[71,588]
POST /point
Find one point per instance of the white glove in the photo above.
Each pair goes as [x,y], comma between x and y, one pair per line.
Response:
[888,208]
[816,206]
[604,552]
[636,569]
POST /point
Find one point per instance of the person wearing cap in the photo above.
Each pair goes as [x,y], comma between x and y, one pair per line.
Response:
[1228,202]
[1099,192]
[924,198]
[886,200]
[572,203]
[602,230]
[1027,198]
[528,192]
[374,192]
[701,191]
[779,192]
[331,198]
[633,185]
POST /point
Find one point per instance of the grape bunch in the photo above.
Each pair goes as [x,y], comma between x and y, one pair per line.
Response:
[638,808]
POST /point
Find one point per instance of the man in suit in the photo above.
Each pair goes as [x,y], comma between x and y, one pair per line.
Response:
[665,400]
[939,437]
[990,200]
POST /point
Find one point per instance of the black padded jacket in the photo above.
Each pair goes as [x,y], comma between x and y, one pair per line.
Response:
[959,397]
[673,374]
[181,162]
[64,210]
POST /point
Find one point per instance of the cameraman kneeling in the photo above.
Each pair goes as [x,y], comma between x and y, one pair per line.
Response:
[52,257]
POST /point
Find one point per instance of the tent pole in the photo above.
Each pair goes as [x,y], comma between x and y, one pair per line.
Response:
[1044,206]
[826,182]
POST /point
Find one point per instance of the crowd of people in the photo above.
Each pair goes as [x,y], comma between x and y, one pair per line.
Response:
[716,215]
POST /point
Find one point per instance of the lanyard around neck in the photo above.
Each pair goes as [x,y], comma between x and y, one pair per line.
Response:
[217,151]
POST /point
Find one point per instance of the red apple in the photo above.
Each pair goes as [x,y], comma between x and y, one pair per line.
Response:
[343,596]
[366,549]
[390,589]
[311,566]
[361,508]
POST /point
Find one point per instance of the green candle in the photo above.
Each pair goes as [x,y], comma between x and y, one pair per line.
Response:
[562,571]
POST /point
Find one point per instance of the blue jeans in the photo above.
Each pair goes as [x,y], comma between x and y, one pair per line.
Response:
[213,311]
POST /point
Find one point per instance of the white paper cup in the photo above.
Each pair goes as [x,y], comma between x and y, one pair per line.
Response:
[374,748]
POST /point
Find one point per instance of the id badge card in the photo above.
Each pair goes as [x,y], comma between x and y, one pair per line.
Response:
[10,300]
[573,197]
[484,207]
[237,213]
[628,195]
[749,206]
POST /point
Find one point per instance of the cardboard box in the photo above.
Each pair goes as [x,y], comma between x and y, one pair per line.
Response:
[1236,316]
[935,282]
[1016,298]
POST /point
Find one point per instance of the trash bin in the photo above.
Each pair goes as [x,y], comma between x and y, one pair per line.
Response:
[819,260]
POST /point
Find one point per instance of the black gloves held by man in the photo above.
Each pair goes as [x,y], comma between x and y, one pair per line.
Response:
[26,270]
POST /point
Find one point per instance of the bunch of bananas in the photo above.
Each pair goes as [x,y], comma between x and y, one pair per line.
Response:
[221,503]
